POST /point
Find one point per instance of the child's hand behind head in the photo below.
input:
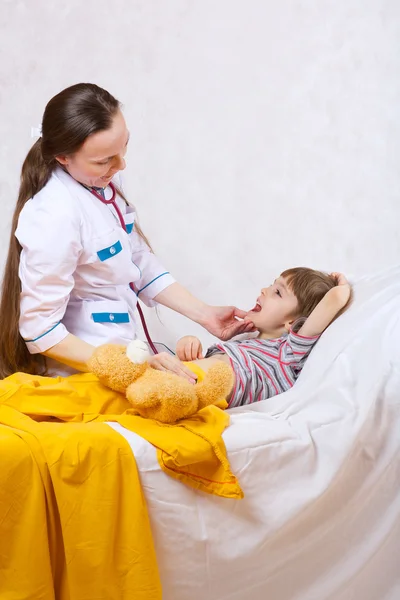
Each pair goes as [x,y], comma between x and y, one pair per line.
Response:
[343,291]
[339,278]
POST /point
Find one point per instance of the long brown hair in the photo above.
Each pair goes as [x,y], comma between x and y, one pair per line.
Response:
[69,118]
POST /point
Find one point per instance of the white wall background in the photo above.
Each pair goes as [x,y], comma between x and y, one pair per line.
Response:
[265,133]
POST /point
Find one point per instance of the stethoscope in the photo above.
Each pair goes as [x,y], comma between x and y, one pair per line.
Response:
[114,204]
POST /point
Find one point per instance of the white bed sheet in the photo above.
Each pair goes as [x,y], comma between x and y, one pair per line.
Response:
[320,468]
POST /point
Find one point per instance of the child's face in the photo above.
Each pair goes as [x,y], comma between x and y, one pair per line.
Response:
[276,308]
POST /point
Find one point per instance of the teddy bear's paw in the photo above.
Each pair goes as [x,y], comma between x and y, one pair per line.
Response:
[216,386]
[162,396]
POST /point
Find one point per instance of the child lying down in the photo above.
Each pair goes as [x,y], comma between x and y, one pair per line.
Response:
[290,315]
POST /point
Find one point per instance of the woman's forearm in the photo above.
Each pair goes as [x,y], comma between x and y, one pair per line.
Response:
[178,298]
[71,351]
[222,321]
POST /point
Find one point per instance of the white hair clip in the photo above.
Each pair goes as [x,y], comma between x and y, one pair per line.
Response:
[36,132]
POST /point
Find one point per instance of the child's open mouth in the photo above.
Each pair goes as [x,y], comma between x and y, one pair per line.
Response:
[257,307]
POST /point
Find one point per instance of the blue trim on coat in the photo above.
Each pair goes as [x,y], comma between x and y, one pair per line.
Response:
[43,334]
[152,281]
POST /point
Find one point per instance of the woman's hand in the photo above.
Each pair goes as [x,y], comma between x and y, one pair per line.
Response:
[226,321]
[189,348]
[171,364]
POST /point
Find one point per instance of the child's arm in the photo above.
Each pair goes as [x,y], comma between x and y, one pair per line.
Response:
[189,348]
[331,304]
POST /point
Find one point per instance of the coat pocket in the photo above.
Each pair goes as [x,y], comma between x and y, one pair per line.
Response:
[109,260]
[101,321]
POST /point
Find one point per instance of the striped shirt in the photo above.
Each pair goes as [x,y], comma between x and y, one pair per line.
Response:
[264,368]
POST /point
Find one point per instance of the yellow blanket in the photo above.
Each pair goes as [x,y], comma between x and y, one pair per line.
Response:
[71,505]
[73,519]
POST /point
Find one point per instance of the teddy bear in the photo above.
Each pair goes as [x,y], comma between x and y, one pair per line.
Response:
[157,394]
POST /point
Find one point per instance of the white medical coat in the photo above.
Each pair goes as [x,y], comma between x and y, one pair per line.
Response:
[76,265]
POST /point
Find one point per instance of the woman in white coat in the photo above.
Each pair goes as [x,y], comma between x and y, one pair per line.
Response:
[78,260]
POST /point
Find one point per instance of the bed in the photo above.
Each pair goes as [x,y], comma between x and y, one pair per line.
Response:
[320,470]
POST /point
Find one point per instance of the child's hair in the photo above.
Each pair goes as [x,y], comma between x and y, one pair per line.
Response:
[308,286]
